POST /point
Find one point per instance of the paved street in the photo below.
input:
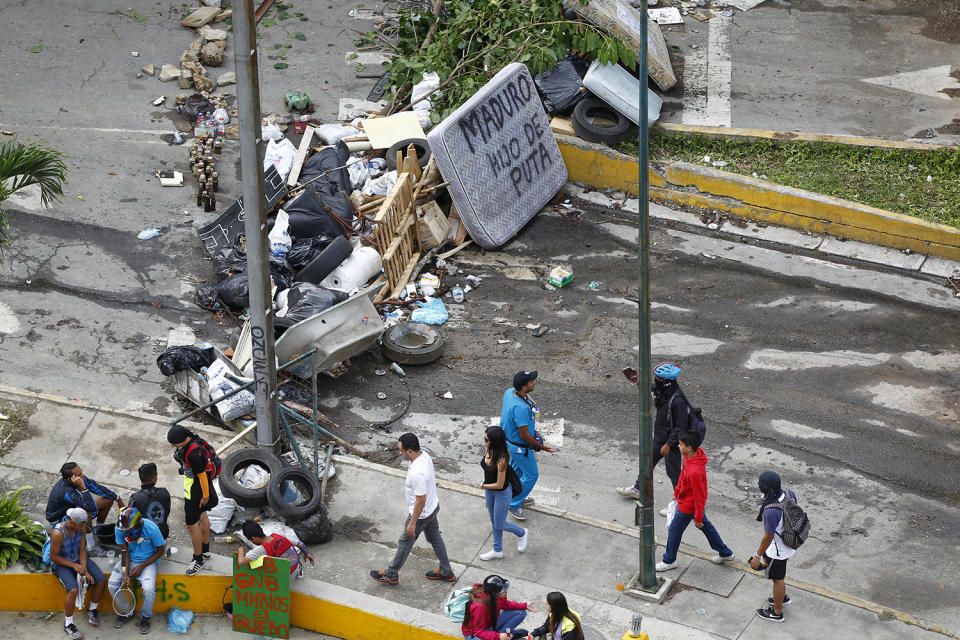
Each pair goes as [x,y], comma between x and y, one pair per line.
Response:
[842,377]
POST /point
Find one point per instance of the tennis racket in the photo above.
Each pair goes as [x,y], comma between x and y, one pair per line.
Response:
[124,602]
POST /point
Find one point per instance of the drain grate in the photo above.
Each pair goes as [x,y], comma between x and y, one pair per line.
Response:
[715,578]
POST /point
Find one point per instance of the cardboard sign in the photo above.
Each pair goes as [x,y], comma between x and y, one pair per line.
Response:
[230,224]
[261,598]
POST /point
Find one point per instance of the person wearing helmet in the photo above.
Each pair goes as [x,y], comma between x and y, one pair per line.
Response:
[671,420]
[142,545]
[490,615]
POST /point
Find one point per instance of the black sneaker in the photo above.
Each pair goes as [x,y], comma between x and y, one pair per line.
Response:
[144,625]
[72,631]
[194,567]
[786,601]
[768,614]
[121,621]
[93,618]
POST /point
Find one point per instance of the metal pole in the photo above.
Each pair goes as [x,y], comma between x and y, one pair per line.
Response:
[255,222]
[647,578]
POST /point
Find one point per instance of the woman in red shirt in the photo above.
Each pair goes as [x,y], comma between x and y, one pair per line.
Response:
[490,615]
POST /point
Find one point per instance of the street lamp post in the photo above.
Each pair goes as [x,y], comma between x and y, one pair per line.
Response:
[255,221]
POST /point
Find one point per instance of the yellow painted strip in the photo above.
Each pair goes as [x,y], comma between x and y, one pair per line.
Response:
[350,623]
[601,167]
[798,136]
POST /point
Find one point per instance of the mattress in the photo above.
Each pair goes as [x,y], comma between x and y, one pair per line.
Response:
[499,156]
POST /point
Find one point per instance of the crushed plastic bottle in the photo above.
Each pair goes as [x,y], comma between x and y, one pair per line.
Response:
[396,369]
[226,539]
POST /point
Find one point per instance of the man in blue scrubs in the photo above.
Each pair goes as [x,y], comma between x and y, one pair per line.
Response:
[518,416]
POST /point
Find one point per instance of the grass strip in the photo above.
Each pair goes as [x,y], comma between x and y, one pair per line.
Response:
[889,179]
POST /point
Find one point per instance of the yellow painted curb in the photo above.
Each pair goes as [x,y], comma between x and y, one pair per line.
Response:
[798,136]
[204,594]
[689,184]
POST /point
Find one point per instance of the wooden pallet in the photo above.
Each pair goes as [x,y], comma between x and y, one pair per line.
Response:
[396,237]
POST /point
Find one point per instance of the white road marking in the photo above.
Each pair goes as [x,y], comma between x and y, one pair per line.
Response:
[925,82]
[846,305]
[945,361]
[779,302]
[678,344]
[546,495]
[777,360]
[8,320]
[149,132]
[921,401]
[707,78]
[796,430]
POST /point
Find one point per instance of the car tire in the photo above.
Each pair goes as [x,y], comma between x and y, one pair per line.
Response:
[239,460]
[420,144]
[306,483]
[396,352]
[589,108]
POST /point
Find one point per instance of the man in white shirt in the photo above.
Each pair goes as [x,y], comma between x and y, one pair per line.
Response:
[423,505]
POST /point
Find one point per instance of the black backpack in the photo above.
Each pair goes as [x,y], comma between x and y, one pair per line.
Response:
[694,417]
[796,524]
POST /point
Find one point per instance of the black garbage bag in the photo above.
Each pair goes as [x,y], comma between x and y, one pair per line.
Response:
[207,298]
[235,291]
[231,259]
[306,249]
[316,529]
[185,357]
[305,300]
[197,104]
[561,88]
[280,272]
[309,217]
[330,165]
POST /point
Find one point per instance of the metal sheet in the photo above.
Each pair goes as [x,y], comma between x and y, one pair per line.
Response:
[715,578]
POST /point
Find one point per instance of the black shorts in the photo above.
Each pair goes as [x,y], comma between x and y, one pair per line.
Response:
[776,569]
[191,505]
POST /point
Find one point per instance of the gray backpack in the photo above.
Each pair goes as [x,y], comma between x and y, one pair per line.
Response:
[796,524]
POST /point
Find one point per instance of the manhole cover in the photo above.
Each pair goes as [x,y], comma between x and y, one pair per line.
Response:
[589,633]
[715,578]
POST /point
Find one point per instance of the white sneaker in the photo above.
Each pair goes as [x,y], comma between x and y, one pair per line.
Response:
[628,492]
[663,566]
[721,559]
[663,512]
[491,555]
[522,541]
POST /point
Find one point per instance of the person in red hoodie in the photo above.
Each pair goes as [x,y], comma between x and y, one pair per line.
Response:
[490,615]
[691,498]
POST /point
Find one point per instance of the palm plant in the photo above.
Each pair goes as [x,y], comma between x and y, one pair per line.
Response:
[27,163]
[19,535]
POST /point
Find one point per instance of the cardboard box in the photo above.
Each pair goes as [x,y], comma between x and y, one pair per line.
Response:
[434,226]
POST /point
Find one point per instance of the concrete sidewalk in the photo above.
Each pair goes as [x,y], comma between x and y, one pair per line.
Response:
[577,555]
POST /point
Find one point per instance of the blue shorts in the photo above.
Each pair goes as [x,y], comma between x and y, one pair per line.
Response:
[68,577]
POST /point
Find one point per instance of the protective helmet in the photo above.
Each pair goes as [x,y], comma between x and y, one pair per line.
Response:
[129,519]
[495,585]
[667,371]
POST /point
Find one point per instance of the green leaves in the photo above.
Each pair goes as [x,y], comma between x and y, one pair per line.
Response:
[268,22]
[36,49]
[281,65]
[297,35]
[18,534]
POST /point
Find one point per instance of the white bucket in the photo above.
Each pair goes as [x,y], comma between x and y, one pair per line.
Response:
[354,272]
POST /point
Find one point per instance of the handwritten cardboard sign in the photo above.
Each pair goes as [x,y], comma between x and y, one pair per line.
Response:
[230,224]
[261,598]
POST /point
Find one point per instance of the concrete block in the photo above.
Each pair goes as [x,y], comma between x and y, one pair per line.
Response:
[872,253]
[942,267]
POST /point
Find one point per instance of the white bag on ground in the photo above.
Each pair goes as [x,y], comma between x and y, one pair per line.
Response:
[430,82]
[271,527]
[234,406]
[381,186]
[279,236]
[332,133]
[220,515]
[281,155]
[270,132]
[253,476]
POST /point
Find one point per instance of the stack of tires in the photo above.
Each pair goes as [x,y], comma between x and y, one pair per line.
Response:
[307,516]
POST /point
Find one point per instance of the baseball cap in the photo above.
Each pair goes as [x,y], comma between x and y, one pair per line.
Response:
[177,434]
[78,515]
[523,377]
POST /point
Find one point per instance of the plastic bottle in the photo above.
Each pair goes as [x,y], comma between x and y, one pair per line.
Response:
[200,130]
[396,369]
[224,539]
[619,581]
[457,294]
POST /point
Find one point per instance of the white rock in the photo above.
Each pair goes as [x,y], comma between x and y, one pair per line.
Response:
[169,72]
[147,69]
[213,3]
[209,33]
[226,78]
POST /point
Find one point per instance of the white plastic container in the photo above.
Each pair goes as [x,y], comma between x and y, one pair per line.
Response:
[617,87]
[354,272]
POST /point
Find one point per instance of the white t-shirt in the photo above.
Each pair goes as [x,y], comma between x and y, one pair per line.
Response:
[777,549]
[421,481]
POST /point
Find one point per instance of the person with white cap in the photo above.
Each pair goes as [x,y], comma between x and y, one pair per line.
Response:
[70,563]
[518,419]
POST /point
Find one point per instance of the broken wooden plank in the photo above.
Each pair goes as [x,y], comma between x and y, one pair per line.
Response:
[301,156]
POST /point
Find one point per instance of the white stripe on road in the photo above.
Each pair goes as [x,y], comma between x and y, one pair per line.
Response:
[707,79]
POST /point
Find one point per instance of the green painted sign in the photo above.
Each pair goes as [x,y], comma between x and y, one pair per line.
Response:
[261,598]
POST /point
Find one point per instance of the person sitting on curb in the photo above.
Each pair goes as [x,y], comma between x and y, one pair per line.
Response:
[691,497]
[273,545]
[74,489]
[490,615]
[141,547]
[151,501]
[562,623]
[70,563]
[773,553]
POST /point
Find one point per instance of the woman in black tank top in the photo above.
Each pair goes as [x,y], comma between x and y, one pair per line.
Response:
[496,467]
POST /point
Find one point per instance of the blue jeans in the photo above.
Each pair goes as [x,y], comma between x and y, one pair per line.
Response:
[526,468]
[148,584]
[677,527]
[508,619]
[497,504]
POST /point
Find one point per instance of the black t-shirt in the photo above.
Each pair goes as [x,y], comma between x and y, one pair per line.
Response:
[197,460]
[153,503]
